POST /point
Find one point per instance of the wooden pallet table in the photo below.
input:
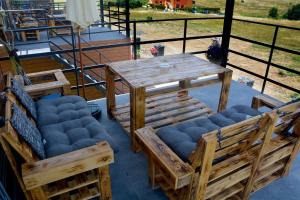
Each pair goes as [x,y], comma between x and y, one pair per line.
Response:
[168,105]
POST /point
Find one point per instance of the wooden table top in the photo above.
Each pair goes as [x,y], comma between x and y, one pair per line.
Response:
[164,69]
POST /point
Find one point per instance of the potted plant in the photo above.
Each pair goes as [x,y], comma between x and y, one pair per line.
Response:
[214,51]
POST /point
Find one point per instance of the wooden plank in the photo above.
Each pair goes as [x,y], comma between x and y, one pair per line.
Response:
[268,129]
[263,100]
[208,144]
[186,102]
[262,183]
[229,192]
[38,194]
[226,82]
[104,183]
[137,113]
[225,183]
[76,182]
[180,172]
[66,165]
[276,167]
[148,72]
[110,91]
[296,132]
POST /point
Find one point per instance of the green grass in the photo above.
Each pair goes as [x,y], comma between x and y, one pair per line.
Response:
[251,8]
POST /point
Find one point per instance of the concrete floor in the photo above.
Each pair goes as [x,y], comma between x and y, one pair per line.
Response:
[129,172]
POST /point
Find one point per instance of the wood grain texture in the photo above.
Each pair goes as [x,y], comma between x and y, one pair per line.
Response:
[66,165]
[226,82]
[164,69]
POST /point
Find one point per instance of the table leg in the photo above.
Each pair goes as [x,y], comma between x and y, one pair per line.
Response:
[226,81]
[184,85]
[110,91]
[137,113]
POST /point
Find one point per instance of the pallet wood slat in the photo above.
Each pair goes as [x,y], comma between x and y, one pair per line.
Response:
[169,109]
[78,181]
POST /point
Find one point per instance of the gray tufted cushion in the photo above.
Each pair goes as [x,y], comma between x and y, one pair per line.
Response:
[51,111]
[182,138]
[24,97]
[27,131]
[73,135]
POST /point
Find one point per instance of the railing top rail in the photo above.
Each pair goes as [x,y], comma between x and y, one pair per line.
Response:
[267,24]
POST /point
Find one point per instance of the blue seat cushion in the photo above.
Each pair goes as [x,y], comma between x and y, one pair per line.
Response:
[52,111]
[24,98]
[72,135]
[182,138]
[27,131]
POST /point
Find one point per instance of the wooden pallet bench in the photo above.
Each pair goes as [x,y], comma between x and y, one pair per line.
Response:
[250,155]
[80,175]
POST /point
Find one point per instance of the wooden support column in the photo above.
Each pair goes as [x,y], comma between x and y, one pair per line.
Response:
[268,128]
[38,194]
[151,171]
[184,85]
[200,180]
[110,91]
[137,113]
[104,183]
[13,164]
[296,148]
[226,82]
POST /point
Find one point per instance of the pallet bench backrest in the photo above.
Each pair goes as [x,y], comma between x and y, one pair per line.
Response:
[10,134]
[213,159]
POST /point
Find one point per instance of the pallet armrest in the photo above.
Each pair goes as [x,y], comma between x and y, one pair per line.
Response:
[66,165]
[60,83]
[180,172]
[263,100]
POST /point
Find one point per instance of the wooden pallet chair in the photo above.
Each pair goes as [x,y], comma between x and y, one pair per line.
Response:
[227,163]
[81,174]
[45,82]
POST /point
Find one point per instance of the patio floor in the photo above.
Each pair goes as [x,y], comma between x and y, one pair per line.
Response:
[129,171]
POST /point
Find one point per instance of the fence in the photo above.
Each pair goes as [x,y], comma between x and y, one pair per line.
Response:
[134,43]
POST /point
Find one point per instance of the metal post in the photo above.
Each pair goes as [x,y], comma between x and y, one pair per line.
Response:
[74,59]
[227,30]
[102,12]
[127,18]
[270,59]
[119,17]
[184,36]
[134,41]
[109,19]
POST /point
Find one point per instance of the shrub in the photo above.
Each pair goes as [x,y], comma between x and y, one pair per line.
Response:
[273,12]
[132,3]
[293,13]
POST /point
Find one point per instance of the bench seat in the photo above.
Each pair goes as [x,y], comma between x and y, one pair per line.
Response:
[65,123]
[71,135]
[182,138]
[52,111]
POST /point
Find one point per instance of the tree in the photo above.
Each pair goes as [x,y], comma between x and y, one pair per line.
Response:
[273,12]
[293,13]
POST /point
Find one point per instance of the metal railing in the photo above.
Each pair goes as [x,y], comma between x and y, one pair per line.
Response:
[134,43]
[268,62]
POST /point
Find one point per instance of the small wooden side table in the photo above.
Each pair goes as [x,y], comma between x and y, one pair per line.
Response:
[161,108]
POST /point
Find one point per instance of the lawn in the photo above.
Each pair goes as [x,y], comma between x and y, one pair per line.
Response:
[251,8]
